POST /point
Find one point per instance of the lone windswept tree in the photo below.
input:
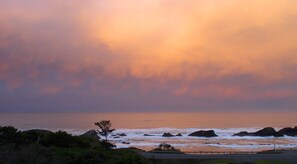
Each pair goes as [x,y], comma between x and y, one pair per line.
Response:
[104,128]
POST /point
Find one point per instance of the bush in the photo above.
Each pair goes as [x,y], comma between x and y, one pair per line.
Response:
[44,147]
[63,139]
[107,145]
[164,147]
[9,134]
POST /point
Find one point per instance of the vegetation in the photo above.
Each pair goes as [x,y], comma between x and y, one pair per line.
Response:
[104,128]
[193,161]
[165,148]
[60,147]
[270,162]
[45,147]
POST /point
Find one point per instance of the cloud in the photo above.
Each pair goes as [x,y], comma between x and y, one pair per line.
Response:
[193,55]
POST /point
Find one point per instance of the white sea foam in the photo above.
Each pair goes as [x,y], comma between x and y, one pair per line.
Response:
[225,139]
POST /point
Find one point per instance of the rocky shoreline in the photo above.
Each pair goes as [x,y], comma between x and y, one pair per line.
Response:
[270,132]
[264,132]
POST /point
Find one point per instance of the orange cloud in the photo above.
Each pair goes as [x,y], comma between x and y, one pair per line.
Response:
[231,49]
[159,37]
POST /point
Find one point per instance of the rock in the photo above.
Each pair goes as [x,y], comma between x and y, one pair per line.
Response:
[204,133]
[265,132]
[91,134]
[288,131]
[167,135]
[119,135]
[147,135]
[179,135]
[241,134]
[124,142]
[37,131]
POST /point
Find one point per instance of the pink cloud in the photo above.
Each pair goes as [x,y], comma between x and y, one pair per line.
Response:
[51,90]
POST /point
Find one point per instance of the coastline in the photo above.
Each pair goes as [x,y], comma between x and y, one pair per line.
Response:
[225,141]
[50,142]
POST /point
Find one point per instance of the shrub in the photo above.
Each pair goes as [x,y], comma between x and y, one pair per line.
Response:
[9,134]
[164,147]
[63,139]
[107,145]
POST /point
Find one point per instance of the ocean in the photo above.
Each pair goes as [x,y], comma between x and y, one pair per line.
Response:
[135,125]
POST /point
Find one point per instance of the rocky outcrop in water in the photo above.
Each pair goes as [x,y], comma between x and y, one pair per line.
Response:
[126,142]
[288,131]
[204,133]
[168,135]
[119,135]
[122,134]
[265,132]
[242,134]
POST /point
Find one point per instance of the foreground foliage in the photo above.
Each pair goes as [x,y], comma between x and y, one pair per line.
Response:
[165,148]
[104,128]
[43,147]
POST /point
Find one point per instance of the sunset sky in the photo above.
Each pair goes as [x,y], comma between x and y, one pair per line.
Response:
[148,55]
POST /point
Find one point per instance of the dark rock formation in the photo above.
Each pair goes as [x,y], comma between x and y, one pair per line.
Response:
[288,131]
[91,134]
[167,135]
[266,132]
[122,134]
[37,131]
[119,135]
[241,134]
[204,133]
[179,135]
[147,135]
[125,142]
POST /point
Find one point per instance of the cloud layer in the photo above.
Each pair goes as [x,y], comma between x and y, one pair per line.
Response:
[156,55]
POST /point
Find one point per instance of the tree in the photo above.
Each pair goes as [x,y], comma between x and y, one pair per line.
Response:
[104,128]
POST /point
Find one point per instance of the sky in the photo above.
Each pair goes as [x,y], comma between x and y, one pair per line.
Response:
[148,55]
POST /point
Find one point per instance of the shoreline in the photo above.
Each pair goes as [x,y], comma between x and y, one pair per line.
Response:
[202,144]
[34,140]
